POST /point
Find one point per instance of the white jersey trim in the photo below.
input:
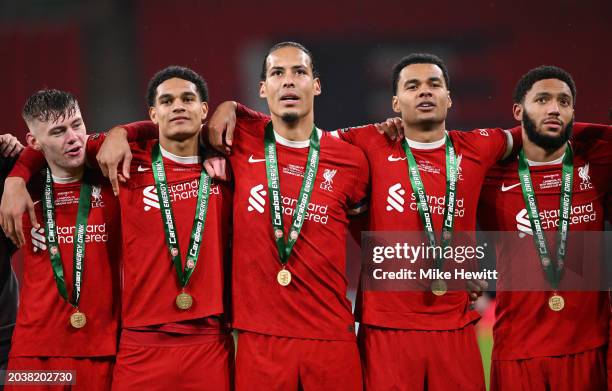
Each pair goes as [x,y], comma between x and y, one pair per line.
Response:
[431,145]
[294,144]
[179,159]
[70,179]
[558,160]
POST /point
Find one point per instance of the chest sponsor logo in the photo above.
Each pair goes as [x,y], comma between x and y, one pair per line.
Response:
[258,198]
[396,202]
[178,192]
[142,168]
[328,175]
[395,198]
[95,233]
[580,214]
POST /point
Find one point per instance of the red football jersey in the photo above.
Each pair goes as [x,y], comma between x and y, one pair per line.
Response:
[525,326]
[150,284]
[43,322]
[314,305]
[393,208]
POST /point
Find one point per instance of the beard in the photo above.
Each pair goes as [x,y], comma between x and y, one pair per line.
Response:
[549,143]
[289,118]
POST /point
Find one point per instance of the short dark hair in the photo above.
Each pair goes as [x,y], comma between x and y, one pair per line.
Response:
[180,73]
[285,44]
[49,105]
[419,58]
[541,73]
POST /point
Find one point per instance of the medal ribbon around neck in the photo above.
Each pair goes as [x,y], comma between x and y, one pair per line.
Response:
[165,207]
[553,274]
[310,174]
[423,207]
[78,255]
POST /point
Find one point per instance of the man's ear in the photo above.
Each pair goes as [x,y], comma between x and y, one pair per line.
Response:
[32,141]
[517,111]
[153,115]
[395,104]
[204,110]
[317,86]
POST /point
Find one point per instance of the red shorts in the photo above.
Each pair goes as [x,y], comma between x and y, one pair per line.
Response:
[581,371]
[420,360]
[159,361]
[89,373]
[269,363]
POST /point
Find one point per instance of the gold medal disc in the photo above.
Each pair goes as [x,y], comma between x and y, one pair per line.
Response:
[284,277]
[78,319]
[556,302]
[438,288]
[184,301]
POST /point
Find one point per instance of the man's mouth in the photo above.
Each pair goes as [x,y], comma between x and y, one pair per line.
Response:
[289,98]
[553,124]
[427,105]
[74,152]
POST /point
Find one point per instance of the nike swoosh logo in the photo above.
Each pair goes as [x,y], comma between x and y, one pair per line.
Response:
[252,160]
[143,169]
[392,158]
[506,188]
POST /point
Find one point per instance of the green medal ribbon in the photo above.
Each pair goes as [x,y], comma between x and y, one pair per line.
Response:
[423,206]
[553,274]
[165,207]
[78,255]
[310,174]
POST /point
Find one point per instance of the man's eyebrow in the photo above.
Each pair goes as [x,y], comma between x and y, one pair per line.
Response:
[164,96]
[59,127]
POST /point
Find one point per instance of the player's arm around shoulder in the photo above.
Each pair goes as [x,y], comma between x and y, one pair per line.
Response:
[359,191]
[364,136]
[489,144]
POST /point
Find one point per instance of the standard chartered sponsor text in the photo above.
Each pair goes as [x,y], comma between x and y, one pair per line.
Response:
[315,212]
[94,233]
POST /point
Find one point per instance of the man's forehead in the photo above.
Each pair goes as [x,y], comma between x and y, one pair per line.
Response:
[288,57]
[64,118]
[176,86]
[551,86]
[421,71]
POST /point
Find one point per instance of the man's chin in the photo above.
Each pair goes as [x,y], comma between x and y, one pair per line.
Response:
[290,116]
[181,134]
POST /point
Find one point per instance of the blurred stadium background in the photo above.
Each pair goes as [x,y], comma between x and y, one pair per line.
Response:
[104,51]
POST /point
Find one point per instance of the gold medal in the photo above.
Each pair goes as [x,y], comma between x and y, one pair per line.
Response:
[78,319]
[556,302]
[438,288]
[284,277]
[184,301]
